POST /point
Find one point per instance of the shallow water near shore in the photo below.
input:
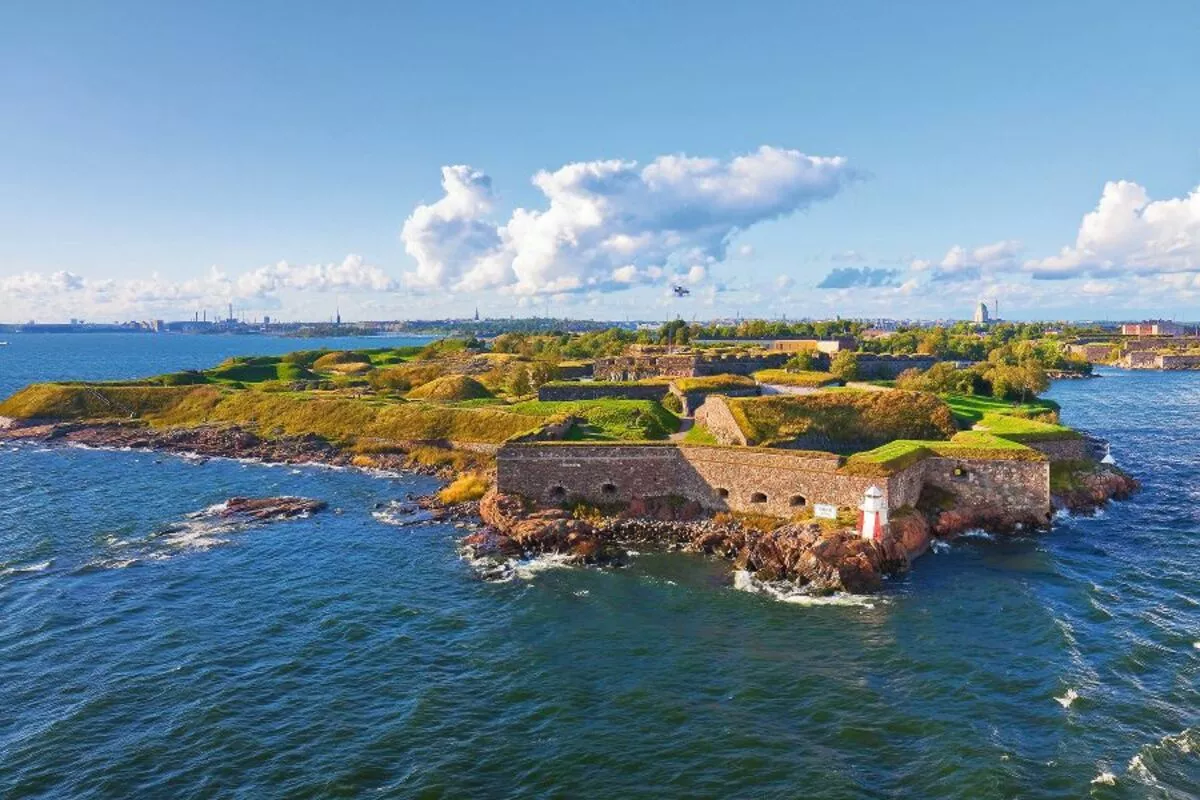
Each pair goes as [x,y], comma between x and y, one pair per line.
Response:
[339,655]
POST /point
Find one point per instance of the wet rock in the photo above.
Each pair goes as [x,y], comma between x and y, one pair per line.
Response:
[1089,489]
[268,508]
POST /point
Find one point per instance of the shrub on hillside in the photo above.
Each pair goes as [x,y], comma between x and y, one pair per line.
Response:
[340,358]
[466,487]
[450,389]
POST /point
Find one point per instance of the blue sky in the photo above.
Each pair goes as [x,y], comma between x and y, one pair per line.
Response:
[158,158]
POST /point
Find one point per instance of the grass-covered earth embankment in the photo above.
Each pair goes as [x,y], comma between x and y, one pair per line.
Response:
[844,420]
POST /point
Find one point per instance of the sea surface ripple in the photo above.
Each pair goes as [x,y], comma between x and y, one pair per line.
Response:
[340,656]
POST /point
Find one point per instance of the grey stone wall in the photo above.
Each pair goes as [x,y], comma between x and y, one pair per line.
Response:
[1018,487]
[754,480]
[1064,449]
[694,400]
[598,390]
[715,415]
[887,367]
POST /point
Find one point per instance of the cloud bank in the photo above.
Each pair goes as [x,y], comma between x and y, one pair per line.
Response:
[260,288]
[609,225]
[1130,233]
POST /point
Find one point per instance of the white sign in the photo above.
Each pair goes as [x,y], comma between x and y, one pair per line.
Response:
[825,511]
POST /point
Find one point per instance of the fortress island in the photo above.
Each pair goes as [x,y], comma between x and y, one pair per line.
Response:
[813,462]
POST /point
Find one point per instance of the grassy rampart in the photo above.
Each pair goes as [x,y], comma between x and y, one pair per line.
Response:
[848,417]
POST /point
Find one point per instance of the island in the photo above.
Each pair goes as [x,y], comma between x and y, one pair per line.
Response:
[770,454]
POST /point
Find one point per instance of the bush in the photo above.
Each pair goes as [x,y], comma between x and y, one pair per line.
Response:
[844,365]
[672,403]
[804,361]
[466,487]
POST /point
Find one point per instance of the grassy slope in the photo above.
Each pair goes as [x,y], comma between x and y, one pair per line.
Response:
[712,383]
[330,416]
[969,409]
[848,416]
[809,378]
[627,420]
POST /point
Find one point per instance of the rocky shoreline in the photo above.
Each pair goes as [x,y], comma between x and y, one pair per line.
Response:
[208,442]
[819,558]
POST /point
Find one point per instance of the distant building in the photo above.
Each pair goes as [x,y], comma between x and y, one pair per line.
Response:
[828,346]
[1154,327]
[981,314]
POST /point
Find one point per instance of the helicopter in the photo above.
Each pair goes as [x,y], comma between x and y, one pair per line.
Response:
[681,291]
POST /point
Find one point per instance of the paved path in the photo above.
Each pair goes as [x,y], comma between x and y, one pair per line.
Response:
[685,425]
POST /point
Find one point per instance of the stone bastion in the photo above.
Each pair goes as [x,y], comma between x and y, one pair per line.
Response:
[768,481]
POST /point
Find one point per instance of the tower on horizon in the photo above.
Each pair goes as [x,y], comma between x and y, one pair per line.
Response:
[981,314]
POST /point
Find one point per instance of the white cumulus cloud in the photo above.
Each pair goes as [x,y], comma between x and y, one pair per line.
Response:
[1130,233]
[609,224]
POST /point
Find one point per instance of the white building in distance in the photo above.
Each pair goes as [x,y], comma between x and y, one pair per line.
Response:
[981,314]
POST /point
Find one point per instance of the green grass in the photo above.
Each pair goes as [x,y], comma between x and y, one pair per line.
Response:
[699,434]
[969,409]
[900,454]
[1021,429]
[713,383]
[624,420]
[451,389]
[843,418]
[808,378]
[273,414]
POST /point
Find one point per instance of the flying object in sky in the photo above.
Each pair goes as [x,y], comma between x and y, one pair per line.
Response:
[681,291]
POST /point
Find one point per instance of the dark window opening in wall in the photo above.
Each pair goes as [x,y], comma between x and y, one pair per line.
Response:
[558,492]
[799,501]
[758,497]
[722,493]
[609,488]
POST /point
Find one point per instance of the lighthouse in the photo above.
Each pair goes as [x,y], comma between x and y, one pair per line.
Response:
[872,516]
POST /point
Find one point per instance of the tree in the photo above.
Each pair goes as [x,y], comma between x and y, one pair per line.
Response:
[803,361]
[542,372]
[845,365]
[519,384]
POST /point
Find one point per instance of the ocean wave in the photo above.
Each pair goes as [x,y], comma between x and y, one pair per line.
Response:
[1105,778]
[401,514]
[978,534]
[26,569]
[1159,757]
[785,592]
[939,546]
[1067,699]
[496,570]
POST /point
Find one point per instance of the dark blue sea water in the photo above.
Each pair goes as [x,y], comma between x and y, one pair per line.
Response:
[339,656]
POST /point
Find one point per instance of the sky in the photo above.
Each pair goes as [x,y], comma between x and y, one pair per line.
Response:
[421,160]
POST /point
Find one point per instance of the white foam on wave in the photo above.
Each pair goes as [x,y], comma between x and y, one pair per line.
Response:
[496,570]
[1067,699]
[978,533]
[27,569]
[1105,778]
[785,592]
[1183,743]
[938,546]
[402,514]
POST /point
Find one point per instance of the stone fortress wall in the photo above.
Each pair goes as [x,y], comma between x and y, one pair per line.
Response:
[755,480]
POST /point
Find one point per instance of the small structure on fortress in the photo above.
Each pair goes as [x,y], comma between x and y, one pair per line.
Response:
[872,515]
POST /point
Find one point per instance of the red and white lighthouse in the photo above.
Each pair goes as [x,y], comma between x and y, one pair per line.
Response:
[872,515]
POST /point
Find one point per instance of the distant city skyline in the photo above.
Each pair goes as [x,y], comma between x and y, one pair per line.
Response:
[421,160]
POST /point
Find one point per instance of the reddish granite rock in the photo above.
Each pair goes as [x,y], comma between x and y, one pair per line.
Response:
[1091,489]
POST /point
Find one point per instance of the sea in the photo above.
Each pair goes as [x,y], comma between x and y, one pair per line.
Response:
[149,652]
